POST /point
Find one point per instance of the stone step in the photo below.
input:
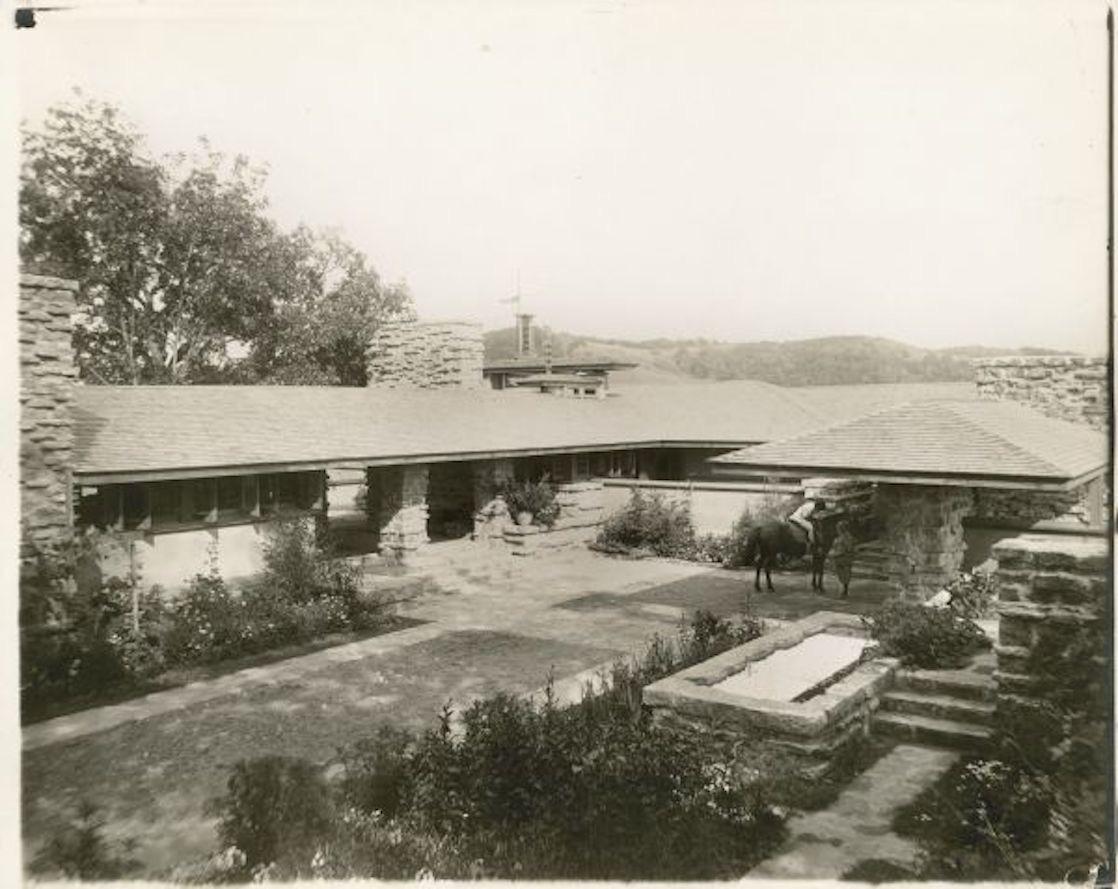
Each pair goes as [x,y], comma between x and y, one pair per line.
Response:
[936,732]
[938,706]
[956,683]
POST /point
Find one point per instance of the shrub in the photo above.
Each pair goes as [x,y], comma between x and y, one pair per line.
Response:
[984,819]
[298,564]
[649,522]
[930,638]
[708,635]
[595,790]
[538,498]
[274,807]
[375,771]
[79,850]
[207,621]
[72,621]
[711,548]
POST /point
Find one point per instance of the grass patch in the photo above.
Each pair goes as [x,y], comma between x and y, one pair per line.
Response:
[40,711]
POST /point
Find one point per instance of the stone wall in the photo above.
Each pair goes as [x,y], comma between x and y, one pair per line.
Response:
[922,534]
[1052,606]
[47,381]
[427,354]
[1063,386]
[1029,507]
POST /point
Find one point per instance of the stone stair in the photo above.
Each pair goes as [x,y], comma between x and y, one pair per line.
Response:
[870,561]
[945,708]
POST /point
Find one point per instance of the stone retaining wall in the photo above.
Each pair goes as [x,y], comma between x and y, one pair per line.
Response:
[47,381]
[427,354]
[1068,387]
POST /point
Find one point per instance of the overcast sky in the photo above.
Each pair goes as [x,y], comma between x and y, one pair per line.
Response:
[932,172]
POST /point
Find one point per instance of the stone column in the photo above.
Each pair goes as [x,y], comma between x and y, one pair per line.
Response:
[402,509]
[47,381]
[1052,632]
[923,535]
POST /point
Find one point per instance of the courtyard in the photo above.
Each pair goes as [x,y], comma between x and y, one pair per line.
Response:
[490,622]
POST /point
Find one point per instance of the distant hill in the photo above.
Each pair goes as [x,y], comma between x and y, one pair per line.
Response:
[827,360]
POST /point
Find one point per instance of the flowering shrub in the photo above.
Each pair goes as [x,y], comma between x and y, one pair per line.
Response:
[931,638]
[82,633]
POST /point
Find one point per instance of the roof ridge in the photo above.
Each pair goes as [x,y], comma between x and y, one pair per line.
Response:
[838,424]
[975,425]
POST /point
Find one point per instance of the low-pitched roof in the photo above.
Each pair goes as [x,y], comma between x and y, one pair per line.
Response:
[127,432]
[559,379]
[533,363]
[969,442]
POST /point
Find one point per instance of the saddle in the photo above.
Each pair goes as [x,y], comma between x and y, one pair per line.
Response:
[798,532]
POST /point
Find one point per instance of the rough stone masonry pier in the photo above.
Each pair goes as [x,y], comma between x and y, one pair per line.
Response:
[46,399]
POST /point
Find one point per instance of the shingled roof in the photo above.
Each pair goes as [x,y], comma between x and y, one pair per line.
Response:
[125,432]
[984,443]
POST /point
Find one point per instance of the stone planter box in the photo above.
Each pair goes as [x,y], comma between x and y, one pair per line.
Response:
[580,514]
[815,728]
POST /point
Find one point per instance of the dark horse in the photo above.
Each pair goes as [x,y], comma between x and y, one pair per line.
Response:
[772,539]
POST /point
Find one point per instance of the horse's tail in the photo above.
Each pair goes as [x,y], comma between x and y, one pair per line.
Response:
[752,542]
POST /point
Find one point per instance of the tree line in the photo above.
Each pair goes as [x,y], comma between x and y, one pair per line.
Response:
[185,278]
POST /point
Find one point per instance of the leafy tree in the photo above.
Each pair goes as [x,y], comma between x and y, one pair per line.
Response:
[184,276]
[321,324]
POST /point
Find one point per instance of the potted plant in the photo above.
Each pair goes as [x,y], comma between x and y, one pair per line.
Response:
[531,502]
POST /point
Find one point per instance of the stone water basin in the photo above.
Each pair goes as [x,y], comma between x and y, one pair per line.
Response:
[788,673]
[810,686]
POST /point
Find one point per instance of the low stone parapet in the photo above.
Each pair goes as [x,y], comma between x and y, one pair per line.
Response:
[528,539]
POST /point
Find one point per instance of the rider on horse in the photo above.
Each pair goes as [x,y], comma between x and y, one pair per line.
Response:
[802,518]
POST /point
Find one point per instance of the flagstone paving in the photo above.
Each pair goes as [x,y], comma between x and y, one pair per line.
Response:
[857,827]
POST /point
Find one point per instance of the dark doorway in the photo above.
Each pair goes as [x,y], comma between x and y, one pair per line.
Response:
[450,501]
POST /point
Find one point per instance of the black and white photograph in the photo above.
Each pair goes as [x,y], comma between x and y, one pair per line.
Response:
[558,440]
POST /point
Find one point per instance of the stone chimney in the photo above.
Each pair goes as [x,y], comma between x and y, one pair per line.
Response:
[47,381]
[524,344]
[431,355]
[1067,387]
